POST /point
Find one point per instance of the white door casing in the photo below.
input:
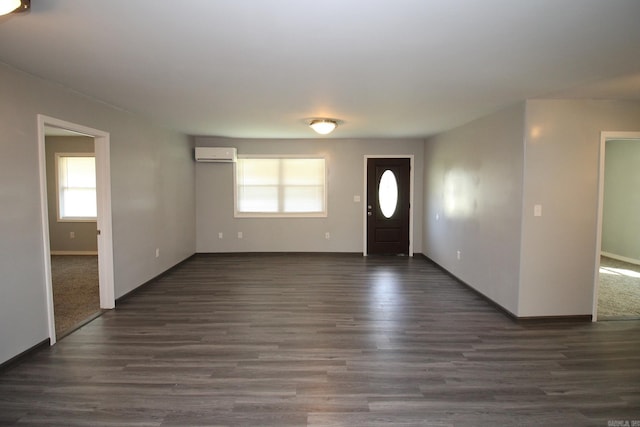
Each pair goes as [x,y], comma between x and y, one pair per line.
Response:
[104,225]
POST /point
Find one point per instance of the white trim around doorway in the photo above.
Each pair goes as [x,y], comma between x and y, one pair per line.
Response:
[604,137]
[104,224]
[411,190]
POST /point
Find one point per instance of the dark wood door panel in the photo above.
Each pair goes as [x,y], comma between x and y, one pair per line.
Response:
[388,234]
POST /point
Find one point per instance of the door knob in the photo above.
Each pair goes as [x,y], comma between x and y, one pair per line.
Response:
[369,213]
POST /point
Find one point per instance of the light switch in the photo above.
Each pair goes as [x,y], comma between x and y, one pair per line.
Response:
[356,199]
[537,210]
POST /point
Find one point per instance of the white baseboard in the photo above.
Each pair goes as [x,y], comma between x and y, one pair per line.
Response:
[620,258]
[74,253]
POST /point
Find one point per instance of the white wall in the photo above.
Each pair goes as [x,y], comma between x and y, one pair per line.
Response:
[562,144]
[345,160]
[152,199]
[473,202]
[621,208]
[532,266]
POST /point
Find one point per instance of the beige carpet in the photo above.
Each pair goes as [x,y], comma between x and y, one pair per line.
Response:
[75,291]
[619,290]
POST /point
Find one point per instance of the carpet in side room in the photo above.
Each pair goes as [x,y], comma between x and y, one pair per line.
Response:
[76,294]
[619,290]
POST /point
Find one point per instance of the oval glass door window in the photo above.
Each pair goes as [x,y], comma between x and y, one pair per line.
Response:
[388,193]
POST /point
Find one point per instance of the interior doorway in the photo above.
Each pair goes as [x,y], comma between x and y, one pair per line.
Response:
[388,207]
[617,273]
[103,212]
[71,199]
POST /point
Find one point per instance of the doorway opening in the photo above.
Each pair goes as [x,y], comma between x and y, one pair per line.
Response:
[71,198]
[617,273]
[388,207]
[97,142]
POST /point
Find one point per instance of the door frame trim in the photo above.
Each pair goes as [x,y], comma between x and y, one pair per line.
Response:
[411,158]
[104,222]
[604,137]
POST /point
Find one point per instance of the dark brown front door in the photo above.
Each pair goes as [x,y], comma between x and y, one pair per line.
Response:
[388,195]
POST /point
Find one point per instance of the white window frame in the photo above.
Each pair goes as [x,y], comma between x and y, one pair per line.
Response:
[60,218]
[238,214]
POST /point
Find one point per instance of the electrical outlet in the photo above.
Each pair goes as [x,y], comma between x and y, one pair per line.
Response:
[327,235]
[537,210]
[72,234]
[240,235]
[220,236]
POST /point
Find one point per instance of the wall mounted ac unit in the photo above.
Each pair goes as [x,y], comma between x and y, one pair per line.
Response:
[216,154]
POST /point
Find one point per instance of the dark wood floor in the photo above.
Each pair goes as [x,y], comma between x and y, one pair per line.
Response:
[324,340]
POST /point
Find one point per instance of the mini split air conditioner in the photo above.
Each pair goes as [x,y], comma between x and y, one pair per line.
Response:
[216,154]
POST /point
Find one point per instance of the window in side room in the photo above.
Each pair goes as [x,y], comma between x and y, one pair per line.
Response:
[76,184]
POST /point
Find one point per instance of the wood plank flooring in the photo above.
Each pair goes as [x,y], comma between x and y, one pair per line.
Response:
[324,340]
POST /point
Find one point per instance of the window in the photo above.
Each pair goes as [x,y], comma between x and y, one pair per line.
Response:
[76,178]
[292,187]
[388,193]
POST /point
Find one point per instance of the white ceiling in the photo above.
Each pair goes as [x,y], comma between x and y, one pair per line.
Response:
[386,68]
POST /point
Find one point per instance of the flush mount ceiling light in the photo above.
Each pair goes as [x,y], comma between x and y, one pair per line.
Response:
[323,126]
[14,6]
